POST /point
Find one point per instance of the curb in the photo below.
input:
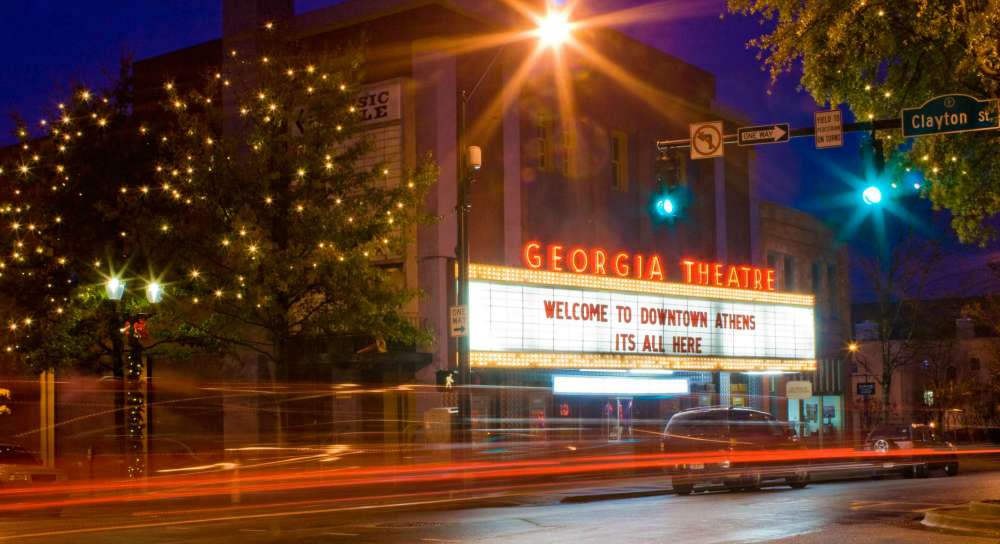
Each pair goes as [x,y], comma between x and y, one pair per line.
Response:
[974,518]
[615,495]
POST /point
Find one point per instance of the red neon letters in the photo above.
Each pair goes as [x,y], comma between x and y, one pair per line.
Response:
[621,264]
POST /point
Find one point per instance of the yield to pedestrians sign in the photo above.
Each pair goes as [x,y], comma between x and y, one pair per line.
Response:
[706,140]
[765,134]
[829,130]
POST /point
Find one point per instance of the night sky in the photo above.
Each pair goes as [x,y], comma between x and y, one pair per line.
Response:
[53,44]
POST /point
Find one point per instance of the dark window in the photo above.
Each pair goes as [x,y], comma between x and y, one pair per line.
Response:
[974,364]
[753,426]
[815,278]
[543,143]
[702,424]
[831,283]
[789,276]
[619,161]
[568,165]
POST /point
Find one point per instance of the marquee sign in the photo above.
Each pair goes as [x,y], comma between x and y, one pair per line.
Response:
[531,317]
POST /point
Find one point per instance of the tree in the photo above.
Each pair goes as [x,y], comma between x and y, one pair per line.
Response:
[60,200]
[879,57]
[286,230]
[899,284]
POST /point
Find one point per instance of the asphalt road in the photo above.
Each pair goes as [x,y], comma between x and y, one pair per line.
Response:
[841,512]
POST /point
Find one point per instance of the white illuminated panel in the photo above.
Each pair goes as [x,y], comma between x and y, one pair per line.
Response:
[509,318]
[617,385]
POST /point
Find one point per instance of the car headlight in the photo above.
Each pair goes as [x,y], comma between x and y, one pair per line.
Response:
[18,477]
[724,464]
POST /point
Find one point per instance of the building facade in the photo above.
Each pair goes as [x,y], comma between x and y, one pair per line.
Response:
[568,155]
[948,378]
[807,258]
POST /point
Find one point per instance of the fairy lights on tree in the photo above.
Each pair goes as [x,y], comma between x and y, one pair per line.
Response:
[249,202]
[286,230]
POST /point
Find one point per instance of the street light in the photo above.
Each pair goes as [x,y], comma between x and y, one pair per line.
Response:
[154,292]
[552,31]
[115,288]
[852,347]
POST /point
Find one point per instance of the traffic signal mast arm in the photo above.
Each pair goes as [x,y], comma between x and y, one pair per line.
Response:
[867,126]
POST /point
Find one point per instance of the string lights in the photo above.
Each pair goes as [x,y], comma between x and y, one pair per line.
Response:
[315,216]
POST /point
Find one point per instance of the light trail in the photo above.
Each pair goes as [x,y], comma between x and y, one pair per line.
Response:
[440,473]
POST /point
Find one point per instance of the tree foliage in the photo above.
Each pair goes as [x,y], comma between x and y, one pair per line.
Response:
[881,56]
[289,230]
[253,200]
[64,225]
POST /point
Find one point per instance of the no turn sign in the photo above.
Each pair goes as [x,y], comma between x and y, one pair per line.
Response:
[706,140]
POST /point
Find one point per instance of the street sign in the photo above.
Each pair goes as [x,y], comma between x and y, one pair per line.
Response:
[829,129]
[799,390]
[866,389]
[951,113]
[706,140]
[458,320]
[765,134]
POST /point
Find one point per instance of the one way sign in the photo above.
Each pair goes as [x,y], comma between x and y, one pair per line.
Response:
[765,134]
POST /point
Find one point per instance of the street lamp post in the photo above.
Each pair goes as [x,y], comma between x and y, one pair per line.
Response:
[131,395]
[551,31]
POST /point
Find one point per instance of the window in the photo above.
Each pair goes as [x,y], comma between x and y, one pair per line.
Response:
[831,285]
[772,261]
[619,161]
[543,144]
[974,364]
[815,278]
[753,426]
[929,398]
[789,279]
[568,166]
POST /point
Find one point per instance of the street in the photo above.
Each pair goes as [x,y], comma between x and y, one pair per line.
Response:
[849,511]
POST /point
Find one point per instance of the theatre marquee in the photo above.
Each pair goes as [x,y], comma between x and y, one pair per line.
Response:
[536,318]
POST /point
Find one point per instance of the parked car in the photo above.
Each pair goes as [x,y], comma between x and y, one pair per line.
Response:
[726,429]
[21,468]
[930,451]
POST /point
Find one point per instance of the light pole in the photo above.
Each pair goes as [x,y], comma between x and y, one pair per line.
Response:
[131,395]
[551,31]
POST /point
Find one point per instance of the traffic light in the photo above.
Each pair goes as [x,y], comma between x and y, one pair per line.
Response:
[667,170]
[872,193]
[670,195]
[664,206]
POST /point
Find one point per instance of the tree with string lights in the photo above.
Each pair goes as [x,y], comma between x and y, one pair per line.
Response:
[264,180]
[65,224]
[880,57]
